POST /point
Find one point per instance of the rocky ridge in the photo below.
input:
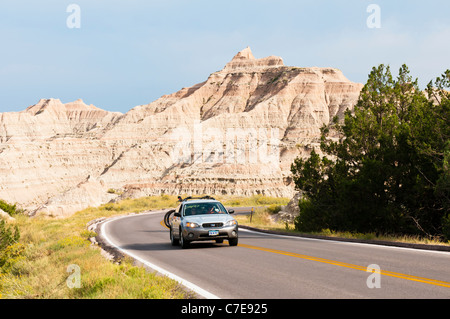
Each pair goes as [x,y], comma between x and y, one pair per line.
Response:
[235,133]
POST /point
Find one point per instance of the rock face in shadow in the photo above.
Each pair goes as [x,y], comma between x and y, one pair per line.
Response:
[235,133]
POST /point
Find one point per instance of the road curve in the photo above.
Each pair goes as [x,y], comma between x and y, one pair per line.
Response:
[267,266]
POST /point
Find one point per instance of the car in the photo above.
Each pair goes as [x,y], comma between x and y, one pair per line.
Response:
[200,219]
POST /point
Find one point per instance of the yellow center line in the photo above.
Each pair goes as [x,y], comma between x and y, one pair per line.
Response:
[346,265]
[351,266]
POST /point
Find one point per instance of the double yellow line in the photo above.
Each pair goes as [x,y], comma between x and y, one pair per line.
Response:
[351,266]
[347,265]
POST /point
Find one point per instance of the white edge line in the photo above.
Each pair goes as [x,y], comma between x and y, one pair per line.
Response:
[417,250]
[186,283]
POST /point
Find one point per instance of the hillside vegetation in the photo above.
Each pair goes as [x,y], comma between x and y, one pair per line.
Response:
[389,171]
[39,257]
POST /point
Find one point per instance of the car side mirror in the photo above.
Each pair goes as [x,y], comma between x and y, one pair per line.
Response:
[230,211]
[177,214]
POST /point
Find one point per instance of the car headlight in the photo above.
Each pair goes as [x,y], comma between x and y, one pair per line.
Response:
[231,222]
[192,225]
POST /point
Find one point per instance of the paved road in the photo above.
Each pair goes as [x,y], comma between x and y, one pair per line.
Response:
[274,267]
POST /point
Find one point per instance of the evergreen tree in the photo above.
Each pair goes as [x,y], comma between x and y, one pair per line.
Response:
[388,172]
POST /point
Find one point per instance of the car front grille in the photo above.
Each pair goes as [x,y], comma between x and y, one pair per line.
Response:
[209,225]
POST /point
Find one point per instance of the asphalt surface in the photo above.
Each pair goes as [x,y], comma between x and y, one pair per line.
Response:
[270,266]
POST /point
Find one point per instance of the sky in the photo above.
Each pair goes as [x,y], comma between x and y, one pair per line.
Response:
[120,54]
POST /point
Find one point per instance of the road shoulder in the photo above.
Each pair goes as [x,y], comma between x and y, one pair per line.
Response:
[353,240]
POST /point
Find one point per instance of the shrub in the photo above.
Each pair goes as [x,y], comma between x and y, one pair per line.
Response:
[446,227]
[10,256]
[274,209]
[8,208]
[9,235]
[388,171]
[10,249]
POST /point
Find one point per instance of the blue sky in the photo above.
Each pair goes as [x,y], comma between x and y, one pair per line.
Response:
[128,53]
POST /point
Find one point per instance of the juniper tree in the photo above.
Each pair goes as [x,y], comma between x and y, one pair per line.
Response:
[387,171]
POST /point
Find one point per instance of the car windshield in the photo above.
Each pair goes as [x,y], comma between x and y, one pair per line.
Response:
[204,208]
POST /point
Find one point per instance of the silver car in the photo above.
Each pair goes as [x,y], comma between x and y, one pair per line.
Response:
[202,219]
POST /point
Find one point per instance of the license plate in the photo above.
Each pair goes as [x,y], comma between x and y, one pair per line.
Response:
[213,233]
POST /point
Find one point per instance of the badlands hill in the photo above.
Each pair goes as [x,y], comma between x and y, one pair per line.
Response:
[235,133]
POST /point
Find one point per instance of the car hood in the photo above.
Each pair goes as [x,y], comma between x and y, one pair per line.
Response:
[200,219]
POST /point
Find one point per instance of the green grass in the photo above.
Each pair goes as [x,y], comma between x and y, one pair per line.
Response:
[38,263]
[140,204]
[48,246]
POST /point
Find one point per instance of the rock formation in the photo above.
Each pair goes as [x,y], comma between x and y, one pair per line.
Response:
[236,133]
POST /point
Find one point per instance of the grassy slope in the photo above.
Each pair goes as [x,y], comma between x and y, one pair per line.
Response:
[48,246]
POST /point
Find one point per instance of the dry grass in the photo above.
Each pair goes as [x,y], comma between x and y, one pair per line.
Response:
[262,219]
[52,245]
[411,239]
[252,201]
[49,246]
